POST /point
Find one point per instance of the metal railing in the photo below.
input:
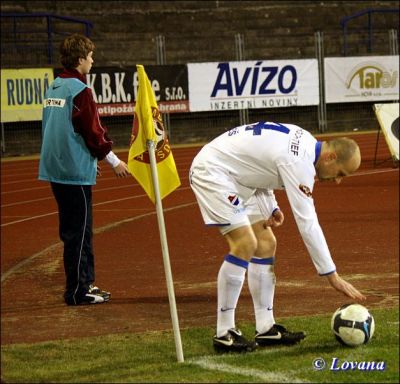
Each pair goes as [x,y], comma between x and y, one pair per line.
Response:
[18,36]
[369,12]
[24,137]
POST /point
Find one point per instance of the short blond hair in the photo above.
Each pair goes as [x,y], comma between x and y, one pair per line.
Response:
[344,148]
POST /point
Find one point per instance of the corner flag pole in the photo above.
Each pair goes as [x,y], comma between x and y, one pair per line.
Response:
[165,252]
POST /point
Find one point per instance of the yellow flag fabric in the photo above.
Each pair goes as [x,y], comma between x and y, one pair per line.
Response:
[148,125]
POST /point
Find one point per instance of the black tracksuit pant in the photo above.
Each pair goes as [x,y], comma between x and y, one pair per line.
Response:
[75,228]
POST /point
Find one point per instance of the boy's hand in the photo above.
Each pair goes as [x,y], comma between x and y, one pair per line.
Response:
[121,170]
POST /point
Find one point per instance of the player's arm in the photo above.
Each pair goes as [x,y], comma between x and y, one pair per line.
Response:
[299,185]
[267,203]
[344,287]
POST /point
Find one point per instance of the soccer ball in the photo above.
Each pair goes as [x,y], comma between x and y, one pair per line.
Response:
[352,325]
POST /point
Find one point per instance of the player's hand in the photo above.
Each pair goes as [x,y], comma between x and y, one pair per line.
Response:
[344,287]
[121,170]
[98,170]
[275,220]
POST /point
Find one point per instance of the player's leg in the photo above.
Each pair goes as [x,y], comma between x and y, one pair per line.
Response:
[242,241]
[261,279]
[231,276]
[222,206]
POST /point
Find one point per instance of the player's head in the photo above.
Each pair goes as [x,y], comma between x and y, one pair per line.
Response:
[339,157]
[76,53]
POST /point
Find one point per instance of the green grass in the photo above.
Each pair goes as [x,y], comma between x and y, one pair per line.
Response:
[151,357]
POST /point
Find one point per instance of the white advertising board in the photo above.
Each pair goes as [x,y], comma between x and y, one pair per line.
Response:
[252,84]
[388,117]
[360,79]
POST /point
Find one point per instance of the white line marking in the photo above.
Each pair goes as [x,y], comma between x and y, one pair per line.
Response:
[371,172]
[209,363]
[28,218]
[27,201]
[102,229]
[95,190]
[137,196]
[24,262]
[94,205]
[24,190]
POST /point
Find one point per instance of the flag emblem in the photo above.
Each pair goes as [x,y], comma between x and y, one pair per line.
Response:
[163,148]
[234,200]
[158,127]
[148,126]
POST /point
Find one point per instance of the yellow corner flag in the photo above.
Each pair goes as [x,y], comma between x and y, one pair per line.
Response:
[148,125]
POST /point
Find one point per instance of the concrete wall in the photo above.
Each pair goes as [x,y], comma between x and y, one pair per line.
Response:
[195,31]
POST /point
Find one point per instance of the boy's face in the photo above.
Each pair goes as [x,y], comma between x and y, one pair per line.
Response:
[85,65]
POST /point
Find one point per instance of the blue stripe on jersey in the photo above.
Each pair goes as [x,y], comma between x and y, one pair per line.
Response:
[235,260]
[318,147]
[266,261]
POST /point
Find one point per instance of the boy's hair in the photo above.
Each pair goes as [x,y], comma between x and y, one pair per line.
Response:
[73,48]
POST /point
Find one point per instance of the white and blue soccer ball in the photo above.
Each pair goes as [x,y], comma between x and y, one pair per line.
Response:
[352,325]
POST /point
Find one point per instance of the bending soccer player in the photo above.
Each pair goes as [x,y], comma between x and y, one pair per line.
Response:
[233,178]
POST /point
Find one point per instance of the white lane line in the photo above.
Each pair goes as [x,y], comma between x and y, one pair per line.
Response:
[184,188]
[28,219]
[16,267]
[27,202]
[50,197]
[361,173]
[209,363]
[102,229]
[95,190]
[94,205]
[105,170]
[372,172]
[24,190]
[4,183]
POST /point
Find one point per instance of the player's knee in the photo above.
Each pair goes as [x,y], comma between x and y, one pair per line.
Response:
[251,246]
[266,246]
[245,248]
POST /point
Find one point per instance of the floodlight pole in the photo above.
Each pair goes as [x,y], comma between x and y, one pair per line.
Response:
[165,252]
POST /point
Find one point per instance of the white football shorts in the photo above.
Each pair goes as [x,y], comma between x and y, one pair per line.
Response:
[222,201]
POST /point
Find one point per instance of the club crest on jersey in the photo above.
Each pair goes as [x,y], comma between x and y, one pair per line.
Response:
[307,191]
[234,199]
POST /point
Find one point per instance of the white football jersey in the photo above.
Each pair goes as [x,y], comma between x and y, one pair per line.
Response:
[270,156]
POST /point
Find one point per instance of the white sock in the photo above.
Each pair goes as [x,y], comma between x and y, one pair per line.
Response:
[261,280]
[230,282]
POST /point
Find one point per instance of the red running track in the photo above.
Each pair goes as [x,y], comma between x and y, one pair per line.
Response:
[359,218]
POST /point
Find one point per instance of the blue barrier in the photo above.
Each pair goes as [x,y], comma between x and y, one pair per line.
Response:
[50,31]
[369,12]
